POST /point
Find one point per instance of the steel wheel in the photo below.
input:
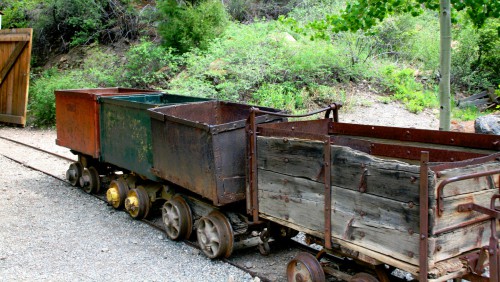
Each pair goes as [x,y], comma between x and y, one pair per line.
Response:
[305,267]
[363,277]
[116,193]
[215,235]
[74,173]
[90,180]
[177,218]
[137,203]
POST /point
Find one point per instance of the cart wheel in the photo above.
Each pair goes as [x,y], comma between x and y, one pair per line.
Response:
[215,235]
[116,193]
[177,218]
[90,180]
[74,173]
[363,277]
[304,267]
[137,203]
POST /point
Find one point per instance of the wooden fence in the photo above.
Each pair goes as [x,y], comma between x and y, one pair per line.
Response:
[15,56]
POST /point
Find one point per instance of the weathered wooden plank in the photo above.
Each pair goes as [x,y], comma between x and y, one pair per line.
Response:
[379,224]
[452,244]
[302,158]
[15,37]
[467,186]
[12,119]
[451,216]
[377,211]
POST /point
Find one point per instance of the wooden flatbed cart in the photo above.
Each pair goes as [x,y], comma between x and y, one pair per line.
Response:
[422,201]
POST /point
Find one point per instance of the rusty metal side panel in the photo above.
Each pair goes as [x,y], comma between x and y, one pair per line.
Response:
[77,123]
[458,139]
[184,155]
[229,153]
[77,117]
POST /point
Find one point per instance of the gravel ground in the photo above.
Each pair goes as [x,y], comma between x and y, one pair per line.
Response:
[52,231]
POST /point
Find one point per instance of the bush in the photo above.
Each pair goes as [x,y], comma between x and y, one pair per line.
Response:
[191,26]
[404,88]
[149,65]
[41,106]
[476,55]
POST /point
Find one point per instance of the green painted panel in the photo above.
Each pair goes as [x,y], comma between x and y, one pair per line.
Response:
[126,129]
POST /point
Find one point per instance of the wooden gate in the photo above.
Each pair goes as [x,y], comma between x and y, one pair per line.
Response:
[15,56]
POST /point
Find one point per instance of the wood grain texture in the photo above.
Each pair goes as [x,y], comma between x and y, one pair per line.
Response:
[382,220]
[15,56]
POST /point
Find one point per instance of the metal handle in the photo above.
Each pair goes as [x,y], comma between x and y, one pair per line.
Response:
[333,108]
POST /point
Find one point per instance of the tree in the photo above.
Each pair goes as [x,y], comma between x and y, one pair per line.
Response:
[364,14]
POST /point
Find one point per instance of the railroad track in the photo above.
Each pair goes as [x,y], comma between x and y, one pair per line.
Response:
[267,268]
[271,268]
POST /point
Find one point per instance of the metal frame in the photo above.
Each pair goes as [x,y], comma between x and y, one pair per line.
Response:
[331,133]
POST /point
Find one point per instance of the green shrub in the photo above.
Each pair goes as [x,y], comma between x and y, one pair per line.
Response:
[41,106]
[404,88]
[102,69]
[281,96]
[191,26]
[476,56]
[149,65]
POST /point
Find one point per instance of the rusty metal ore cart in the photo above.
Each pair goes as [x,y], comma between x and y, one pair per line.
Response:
[422,201]
[201,147]
[126,129]
[77,117]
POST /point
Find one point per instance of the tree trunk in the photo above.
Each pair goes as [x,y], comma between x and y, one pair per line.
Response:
[445,65]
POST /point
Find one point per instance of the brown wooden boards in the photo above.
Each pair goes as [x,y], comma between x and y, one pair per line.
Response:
[15,56]
[375,201]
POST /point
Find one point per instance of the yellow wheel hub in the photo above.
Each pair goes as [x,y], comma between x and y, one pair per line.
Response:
[113,196]
[132,204]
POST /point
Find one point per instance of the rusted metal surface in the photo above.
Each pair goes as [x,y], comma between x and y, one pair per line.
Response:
[424,217]
[494,252]
[77,117]
[328,192]
[127,116]
[458,139]
[402,151]
[442,185]
[480,160]
[305,268]
[206,147]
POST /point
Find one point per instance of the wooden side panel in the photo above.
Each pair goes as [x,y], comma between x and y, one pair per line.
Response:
[15,56]
[382,219]
[392,179]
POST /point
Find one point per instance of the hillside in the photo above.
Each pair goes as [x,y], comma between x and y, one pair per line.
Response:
[244,51]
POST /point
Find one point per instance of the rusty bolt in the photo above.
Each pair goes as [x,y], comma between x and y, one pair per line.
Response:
[411,205]
[286,160]
[452,140]
[353,238]
[413,179]
[439,248]
[293,127]
[422,236]
[411,254]
[362,234]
